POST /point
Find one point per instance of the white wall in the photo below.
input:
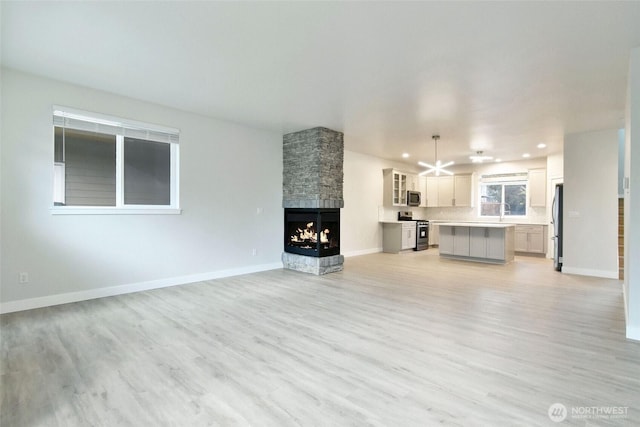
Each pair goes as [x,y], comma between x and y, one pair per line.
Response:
[227,171]
[360,231]
[590,219]
[632,200]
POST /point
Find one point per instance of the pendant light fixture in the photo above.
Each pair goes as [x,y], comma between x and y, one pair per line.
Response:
[439,167]
[479,158]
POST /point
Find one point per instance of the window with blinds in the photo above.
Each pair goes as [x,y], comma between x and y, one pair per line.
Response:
[503,195]
[112,163]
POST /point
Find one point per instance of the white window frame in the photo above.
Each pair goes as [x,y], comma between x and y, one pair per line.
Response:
[503,184]
[125,126]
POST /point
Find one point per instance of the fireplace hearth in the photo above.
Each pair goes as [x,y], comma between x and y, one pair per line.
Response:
[312,232]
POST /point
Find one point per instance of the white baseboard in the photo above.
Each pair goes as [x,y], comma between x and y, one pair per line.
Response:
[605,274]
[49,300]
[633,333]
[362,252]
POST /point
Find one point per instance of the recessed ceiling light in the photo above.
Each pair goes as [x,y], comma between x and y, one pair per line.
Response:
[525,155]
[541,145]
[498,160]
[405,155]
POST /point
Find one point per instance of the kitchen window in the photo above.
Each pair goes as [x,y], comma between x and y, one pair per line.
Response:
[503,199]
[106,165]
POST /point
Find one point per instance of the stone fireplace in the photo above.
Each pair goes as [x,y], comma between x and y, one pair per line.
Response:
[312,197]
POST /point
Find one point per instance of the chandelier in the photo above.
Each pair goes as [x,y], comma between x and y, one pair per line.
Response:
[439,167]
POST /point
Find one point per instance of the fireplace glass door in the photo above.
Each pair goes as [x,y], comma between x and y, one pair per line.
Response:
[312,232]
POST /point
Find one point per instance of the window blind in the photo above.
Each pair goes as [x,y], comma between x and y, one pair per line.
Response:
[66,118]
[505,177]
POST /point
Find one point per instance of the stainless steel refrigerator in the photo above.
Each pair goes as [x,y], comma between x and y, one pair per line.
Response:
[556,213]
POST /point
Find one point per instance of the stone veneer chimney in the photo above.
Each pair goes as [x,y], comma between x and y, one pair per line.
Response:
[312,177]
[312,169]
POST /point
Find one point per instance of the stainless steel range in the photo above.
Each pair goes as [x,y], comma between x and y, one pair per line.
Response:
[422,235]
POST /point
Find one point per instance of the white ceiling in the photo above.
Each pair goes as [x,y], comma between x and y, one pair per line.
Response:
[497,77]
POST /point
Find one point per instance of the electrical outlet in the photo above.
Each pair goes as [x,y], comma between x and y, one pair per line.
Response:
[23,278]
[254,252]
[259,211]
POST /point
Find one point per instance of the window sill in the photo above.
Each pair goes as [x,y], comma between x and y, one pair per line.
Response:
[100,210]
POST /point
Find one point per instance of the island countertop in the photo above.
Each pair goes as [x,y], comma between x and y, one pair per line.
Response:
[476,224]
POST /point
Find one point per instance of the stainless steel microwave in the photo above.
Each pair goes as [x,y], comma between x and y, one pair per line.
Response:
[413,198]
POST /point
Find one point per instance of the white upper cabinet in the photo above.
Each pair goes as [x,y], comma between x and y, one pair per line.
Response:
[454,190]
[422,188]
[396,184]
[435,191]
[445,191]
[412,182]
[395,188]
[431,195]
[537,187]
[462,188]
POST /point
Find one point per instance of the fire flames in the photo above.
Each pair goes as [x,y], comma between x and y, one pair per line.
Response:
[310,235]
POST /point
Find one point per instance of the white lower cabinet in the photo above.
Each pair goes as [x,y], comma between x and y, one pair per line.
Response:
[477,243]
[487,243]
[497,243]
[446,239]
[398,236]
[409,235]
[434,234]
[454,240]
[530,238]
[461,241]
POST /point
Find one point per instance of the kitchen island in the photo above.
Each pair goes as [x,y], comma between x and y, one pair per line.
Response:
[479,242]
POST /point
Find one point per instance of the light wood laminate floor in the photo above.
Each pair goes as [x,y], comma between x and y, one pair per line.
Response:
[393,340]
